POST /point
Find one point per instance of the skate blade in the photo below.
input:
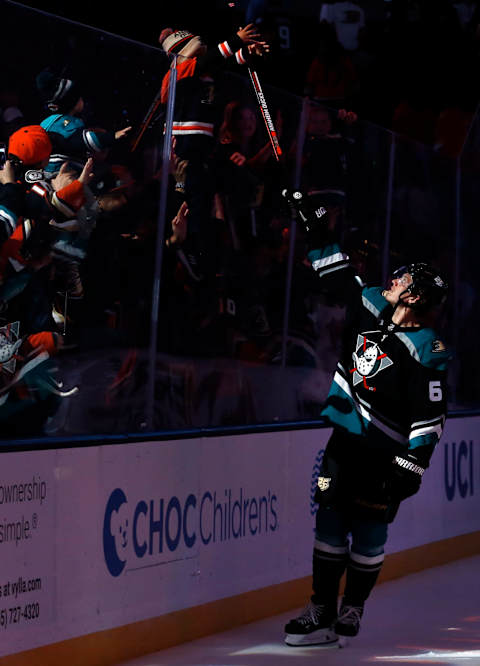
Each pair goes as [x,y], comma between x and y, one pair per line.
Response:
[322,638]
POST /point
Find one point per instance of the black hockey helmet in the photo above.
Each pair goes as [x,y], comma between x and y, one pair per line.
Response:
[426,283]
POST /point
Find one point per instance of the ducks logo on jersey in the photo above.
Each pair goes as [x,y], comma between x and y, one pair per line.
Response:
[368,360]
[9,344]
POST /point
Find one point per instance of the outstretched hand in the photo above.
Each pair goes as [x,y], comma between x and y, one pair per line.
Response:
[123,132]
[7,174]
[258,48]
[248,34]
[87,172]
[179,225]
[64,177]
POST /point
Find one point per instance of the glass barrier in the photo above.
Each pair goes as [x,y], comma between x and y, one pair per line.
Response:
[465,309]
[217,320]
[345,168]
[221,337]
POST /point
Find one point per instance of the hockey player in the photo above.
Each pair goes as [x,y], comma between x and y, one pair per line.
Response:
[387,407]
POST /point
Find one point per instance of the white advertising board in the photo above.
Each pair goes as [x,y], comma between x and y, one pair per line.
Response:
[100,537]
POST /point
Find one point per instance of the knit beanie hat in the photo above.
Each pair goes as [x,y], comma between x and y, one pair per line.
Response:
[30,144]
[180,42]
[60,95]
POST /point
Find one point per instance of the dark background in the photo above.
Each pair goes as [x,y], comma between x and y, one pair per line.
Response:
[143,21]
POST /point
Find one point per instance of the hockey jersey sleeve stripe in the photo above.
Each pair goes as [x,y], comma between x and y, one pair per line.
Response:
[41,191]
[91,141]
[330,250]
[338,379]
[328,261]
[435,420]
[334,268]
[225,49]
[427,430]
[191,123]
[71,198]
[179,129]
[430,440]
[57,158]
[240,58]
[9,220]
[62,206]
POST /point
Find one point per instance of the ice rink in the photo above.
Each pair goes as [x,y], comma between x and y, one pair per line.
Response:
[432,617]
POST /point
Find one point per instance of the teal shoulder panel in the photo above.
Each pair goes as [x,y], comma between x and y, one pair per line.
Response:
[61,124]
[373,300]
[426,347]
[48,123]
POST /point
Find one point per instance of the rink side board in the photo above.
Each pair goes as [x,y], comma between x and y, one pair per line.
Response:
[116,551]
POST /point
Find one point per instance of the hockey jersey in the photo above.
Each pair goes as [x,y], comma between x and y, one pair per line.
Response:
[31,213]
[194,114]
[390,382]
[72,141]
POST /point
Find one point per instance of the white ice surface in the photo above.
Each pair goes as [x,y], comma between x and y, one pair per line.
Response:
[432,617]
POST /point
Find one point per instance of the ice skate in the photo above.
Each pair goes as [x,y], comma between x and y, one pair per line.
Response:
[348,621]
[313,627]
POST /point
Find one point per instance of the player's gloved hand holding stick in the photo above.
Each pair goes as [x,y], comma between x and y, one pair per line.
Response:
[312,220]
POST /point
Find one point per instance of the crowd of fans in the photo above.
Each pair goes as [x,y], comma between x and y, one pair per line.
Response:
[79,207]
[408,65]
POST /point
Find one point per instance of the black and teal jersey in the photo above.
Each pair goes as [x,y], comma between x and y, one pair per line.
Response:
[390,381]
[72,141]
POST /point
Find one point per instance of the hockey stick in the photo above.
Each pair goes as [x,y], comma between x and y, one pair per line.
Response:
[152,110]
[272,133]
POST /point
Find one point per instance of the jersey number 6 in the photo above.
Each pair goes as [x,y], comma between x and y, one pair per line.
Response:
[435,391]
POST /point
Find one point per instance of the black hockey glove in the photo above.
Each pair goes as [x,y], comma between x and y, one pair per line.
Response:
[405,476]
[312,219]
